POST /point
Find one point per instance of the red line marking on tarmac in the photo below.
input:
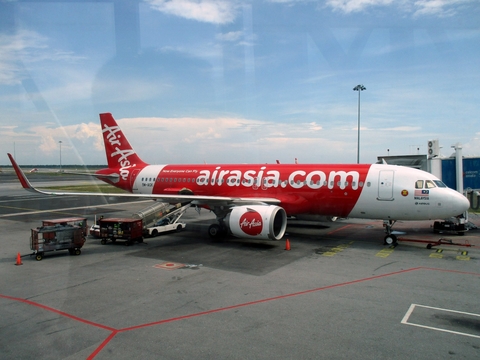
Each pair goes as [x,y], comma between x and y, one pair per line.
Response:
[114,332]
[48,308]
[339,229]
[265,300]
[102,345]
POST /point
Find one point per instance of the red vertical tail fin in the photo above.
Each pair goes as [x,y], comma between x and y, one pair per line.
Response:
[120,153]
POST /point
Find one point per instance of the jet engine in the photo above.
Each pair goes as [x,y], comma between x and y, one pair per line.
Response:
[262,222]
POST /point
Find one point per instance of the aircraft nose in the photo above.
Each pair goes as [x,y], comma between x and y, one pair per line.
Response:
[461,204]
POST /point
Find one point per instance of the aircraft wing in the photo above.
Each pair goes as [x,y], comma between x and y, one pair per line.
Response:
[105,176]
[174,198]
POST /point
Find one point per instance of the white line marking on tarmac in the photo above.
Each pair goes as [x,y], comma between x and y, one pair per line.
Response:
[412,308]
[69,209]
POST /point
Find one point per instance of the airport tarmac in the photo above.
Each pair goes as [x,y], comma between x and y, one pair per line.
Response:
[338,293]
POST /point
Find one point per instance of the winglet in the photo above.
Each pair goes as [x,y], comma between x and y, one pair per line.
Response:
[21,175]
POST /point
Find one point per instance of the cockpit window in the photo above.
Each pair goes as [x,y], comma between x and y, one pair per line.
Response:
[429,184]
[419,184]
[439,183]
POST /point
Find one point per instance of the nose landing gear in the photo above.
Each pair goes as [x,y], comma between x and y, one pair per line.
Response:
[389,239]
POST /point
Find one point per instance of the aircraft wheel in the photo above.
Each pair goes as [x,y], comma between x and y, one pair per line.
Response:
[390,240]
[214,230]
[39,256]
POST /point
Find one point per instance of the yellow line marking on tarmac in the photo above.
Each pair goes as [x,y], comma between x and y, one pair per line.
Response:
[463,256]
[15,208]
[437,254]
[386,252]
[337,249]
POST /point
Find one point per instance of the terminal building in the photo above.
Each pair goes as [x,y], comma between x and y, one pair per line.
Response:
[457,172]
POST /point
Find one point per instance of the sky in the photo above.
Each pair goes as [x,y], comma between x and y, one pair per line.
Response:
[234,81]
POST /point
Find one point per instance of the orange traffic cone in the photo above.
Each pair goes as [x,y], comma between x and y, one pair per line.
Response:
[19,260]
[287,245]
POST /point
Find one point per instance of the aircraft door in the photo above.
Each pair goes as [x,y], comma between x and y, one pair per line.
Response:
[385,185]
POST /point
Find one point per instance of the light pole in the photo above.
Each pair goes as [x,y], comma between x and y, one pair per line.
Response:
[60,142]
[359,88]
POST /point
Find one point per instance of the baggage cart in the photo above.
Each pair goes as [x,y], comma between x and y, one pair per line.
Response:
[57,237]
[78,221]
[127,229]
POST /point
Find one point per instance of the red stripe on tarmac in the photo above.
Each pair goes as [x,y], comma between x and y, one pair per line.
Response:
[48,308]
[266,300]
[114,332]
[339,229]
[102,345]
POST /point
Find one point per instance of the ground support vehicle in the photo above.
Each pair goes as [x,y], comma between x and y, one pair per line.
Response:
[442,241]
[77,221]
[95,231]
[153,213]
[128,230]
[453,225]
[164,226]
[161,217]
[57,237]
[168,222]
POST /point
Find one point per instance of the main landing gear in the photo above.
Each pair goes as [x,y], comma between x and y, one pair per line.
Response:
[218,230]
[214,230]
[389,239]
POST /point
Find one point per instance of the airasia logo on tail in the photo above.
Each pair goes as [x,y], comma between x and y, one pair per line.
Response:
[251,223]
[110,134]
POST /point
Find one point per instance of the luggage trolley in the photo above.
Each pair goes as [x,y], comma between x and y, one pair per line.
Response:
[78,221]
[56,237]
[127,229]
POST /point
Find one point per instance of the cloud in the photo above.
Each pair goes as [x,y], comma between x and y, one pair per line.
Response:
[209,11]
[350,6]
[14,47]
[216,140]
[404,129]
[70,135]
[26,47]
[440,8]
[231,36]
[44,140]
[228,140]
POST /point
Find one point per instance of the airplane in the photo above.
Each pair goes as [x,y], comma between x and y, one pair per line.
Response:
[253,200]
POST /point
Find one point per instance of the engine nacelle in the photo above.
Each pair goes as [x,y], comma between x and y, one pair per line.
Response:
[262,222]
